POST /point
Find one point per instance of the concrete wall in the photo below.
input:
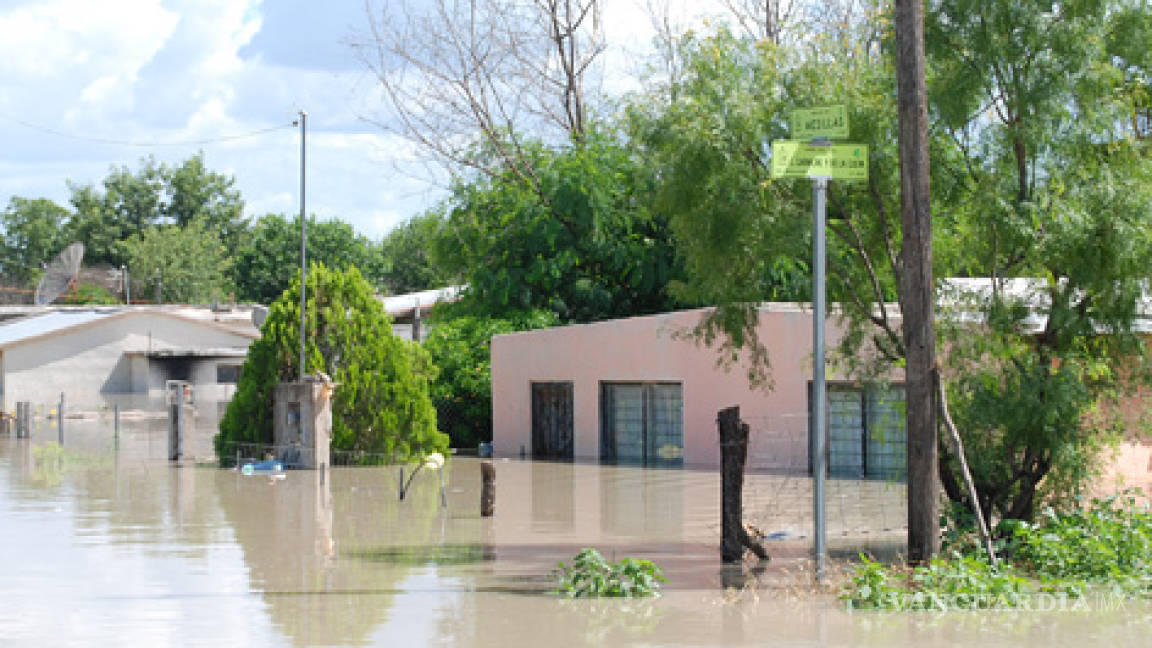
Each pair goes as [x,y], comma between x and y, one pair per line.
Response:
[647,349]
[90,360]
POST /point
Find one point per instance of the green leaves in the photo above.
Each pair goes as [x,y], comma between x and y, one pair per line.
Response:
[460,347]
[188,263]
[267,262]
[590,575]
[580,240]
[382,405]
[1106,544]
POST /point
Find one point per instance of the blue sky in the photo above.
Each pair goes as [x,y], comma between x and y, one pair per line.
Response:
[88,85]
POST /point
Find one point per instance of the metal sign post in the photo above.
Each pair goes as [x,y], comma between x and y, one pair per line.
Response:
[819,160]
[819,389]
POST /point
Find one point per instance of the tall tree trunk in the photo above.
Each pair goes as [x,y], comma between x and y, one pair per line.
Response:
[916,300]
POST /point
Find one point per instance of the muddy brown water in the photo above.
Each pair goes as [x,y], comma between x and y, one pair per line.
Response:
[109,544]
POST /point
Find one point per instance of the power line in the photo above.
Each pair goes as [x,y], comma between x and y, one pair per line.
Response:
[153,144]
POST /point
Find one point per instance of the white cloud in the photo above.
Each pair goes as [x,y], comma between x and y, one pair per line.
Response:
[164,71]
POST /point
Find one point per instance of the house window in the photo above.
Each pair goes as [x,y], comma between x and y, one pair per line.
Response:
[866,434]
[227,373]
[642,423]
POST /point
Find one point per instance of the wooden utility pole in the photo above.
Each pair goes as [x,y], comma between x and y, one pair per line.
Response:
[916,294]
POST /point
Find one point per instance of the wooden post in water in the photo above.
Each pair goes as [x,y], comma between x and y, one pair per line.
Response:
[733,453]
[60,419]
[487,488]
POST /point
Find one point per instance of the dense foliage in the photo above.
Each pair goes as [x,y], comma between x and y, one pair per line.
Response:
[381,406]
[577,239]
[460,347]
[405,258]
[183,264]
[1040,169]
[178,227]
[1104,544]
[269,259]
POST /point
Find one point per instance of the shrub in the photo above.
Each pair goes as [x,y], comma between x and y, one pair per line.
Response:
[381,406]
[590,575]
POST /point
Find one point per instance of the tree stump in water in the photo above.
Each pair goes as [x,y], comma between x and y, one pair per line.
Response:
[487,488]
[733,454]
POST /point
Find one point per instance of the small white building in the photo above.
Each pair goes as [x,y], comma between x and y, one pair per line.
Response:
[92,354]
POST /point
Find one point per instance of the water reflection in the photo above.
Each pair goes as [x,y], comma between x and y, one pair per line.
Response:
[128,548]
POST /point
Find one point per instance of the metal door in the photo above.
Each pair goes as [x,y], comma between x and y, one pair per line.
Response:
[552,420]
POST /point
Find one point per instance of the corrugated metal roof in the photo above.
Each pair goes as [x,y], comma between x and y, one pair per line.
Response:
[425,299]
[37,325]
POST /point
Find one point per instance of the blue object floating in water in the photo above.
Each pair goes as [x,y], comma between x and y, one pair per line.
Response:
[269,466]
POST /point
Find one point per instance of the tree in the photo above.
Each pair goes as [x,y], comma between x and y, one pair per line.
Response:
[460,348]
[455,72]
[193,193]
[267,262]
[33,232]
[188,264]
[745,237]
[1048,178]
[405,256]
[156,194]
[916,296]
[585,247]
[381,406]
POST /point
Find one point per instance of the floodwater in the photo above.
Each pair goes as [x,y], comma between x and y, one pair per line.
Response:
[106,542]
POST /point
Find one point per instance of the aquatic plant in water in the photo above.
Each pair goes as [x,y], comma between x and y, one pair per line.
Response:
[590,575]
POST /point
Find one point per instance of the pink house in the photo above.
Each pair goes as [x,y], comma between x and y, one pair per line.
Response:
[634,391]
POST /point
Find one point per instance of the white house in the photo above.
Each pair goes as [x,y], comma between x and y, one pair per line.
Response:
[90,354]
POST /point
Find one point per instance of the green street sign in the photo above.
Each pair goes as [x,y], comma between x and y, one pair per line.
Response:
[828,121]
[792,159]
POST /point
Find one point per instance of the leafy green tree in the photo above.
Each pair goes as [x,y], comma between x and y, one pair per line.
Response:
[744,236]
[267,262]
[578,239]
[190,264]
[1040,169]
[381,406]
[193,193]
[405,256]
[33,232]
[460,348]
[130,202]
[1051,181]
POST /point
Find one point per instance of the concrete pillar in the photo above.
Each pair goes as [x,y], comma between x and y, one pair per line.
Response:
[302,423]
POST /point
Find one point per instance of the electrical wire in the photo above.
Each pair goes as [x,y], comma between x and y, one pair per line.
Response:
[144,144]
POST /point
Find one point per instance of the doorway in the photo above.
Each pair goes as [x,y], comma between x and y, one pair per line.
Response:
[552,420]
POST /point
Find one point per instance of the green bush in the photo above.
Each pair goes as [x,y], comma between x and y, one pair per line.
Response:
[381,407]
[88,293]
[460,348]
[590,575]
[1105,544]
[958,583]
[1107,541]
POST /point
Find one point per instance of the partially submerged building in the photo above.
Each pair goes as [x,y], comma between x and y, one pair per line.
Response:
[639,390]
[94,354]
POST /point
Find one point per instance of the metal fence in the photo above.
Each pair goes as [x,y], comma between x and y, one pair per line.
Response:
[863,513]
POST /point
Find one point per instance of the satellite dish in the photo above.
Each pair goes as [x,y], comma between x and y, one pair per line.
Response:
[60,275]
